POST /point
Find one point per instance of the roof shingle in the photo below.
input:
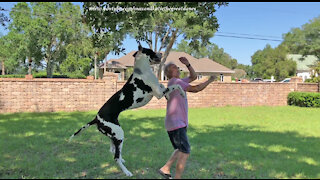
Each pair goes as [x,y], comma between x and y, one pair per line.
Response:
[203,65]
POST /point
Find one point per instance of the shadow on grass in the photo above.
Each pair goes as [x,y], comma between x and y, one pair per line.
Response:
[35,145]
[236,151]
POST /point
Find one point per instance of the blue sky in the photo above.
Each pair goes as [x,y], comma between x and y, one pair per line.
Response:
[266,20]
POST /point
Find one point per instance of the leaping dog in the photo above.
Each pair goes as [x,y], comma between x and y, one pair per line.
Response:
[138,91]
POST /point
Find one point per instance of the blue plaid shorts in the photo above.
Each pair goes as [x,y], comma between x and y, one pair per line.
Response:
[179,140]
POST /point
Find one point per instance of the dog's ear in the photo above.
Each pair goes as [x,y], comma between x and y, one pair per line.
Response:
[134,55]
[140,47]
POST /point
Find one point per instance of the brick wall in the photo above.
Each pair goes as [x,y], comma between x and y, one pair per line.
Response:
[49,95]
[307,87]
[235,94]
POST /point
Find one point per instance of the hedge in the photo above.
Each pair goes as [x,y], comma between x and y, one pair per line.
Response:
[44,75]
[13,76]
[304,99]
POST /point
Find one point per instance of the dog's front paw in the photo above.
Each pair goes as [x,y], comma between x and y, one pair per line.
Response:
[183,94]
[167,97]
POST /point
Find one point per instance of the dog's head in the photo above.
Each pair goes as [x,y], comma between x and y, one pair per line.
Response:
[152,57]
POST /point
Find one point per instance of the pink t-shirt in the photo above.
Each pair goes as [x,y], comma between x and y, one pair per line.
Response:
[177,106]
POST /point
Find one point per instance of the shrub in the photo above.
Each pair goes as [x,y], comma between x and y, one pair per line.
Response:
[313,80]
[12,76]
[304,99]
[76,76]
[43,74]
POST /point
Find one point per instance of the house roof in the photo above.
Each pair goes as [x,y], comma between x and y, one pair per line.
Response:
[113,64]
[127,60]
[203,65]
[240,72]
[303,63]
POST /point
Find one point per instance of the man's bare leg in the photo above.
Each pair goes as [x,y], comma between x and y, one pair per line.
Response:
[181,163]
[166,168]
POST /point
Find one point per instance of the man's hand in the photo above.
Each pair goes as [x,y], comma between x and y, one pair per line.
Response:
[201,86]
[184,60]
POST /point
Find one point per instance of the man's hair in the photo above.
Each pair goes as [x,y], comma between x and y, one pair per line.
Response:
[166,69]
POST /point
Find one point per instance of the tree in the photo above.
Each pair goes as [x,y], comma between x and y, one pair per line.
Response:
[48,28]
[162,25]
[108,31]
[247,69]
[12,53]
[3,18]
[78,61]
[201,52]
[3,53]
[25,32]
[316,73]
[305,41]
[239,74]
[104,43]
[60,24]
[272,62]
[211,51]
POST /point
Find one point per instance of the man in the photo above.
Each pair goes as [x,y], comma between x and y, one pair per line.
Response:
[176,122]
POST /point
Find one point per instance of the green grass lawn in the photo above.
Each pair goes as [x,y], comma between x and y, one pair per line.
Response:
[227,142]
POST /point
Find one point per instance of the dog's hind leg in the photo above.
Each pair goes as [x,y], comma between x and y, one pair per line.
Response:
[115,132]
[118,157]
[117,140]
[112,147]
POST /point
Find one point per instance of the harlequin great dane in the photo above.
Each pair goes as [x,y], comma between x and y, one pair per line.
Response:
[138,91]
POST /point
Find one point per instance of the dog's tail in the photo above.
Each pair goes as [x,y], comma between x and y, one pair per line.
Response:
[84,127]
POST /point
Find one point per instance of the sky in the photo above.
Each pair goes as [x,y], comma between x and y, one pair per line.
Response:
[244,21]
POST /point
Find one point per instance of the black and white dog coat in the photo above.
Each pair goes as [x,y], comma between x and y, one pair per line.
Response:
[138,91]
